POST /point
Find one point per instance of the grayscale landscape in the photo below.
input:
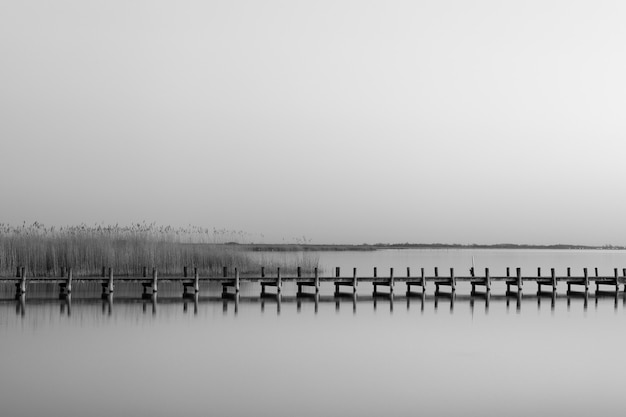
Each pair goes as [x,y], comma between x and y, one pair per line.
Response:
[313,208]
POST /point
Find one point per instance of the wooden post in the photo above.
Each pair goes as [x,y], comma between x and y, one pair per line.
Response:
[23,281]
[508,274]
[423,281]
[196,280]
[487,279]
[616,279]
[68,285]
[519,278]
[317,281]
[538,276]
[391,280]
[236,280]
[597,285]
[354,280]
[408,272]
[279,281]
[154,280]
[110,286]
[375,276]
[436,275]
[552,272]
[452,280]
[569,285]
[586,279]
[299,273]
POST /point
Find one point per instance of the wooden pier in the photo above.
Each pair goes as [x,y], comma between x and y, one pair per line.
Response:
[231,281]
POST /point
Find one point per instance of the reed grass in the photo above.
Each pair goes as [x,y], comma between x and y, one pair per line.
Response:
[44,251]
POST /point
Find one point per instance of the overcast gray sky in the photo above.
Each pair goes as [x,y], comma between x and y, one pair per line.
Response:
[341,121]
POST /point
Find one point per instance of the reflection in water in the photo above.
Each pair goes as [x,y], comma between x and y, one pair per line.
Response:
[107,303]
[20,305]
[66,304]
[232,303]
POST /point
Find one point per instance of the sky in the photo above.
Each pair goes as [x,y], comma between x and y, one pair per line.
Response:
[325,121]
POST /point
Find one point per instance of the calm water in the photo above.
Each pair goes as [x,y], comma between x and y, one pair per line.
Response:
[432,356]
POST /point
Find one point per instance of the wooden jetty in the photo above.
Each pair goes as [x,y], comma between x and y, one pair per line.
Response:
[231,281]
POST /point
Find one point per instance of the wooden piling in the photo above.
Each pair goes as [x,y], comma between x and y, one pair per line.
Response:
[569,285]
[354,280]
[236,280]
[553,274]
[519,279]
[508,274]
[423,281]
[155,277]
[586,274]
[317,281]
[487,279]
[452,280]
[110,283]
[196,280]
[279,281]
[23,280]
[68,283]
[436,276]
[391,280]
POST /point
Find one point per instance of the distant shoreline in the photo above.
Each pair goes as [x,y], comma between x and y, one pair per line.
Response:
[292,247]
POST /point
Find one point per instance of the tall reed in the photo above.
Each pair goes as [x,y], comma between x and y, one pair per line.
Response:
[44,251]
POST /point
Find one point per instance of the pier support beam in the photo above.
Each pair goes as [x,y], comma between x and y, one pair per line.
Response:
[278,283]
[390,283]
